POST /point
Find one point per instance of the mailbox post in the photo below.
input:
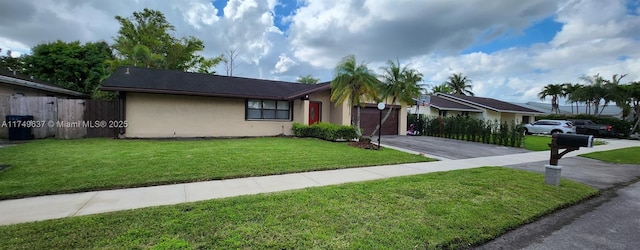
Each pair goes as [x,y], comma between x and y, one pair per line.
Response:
[568,142]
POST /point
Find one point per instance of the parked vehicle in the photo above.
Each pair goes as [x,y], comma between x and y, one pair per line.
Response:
[589,127]
[550,127]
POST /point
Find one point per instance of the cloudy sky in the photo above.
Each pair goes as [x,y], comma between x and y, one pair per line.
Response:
[510,49]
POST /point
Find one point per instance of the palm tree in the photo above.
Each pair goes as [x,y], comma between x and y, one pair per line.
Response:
[355,83]
[595,90]
[634,91]
[554,91]
[442,88]
[614,92]
[460,84]
[399,84]
[571,92]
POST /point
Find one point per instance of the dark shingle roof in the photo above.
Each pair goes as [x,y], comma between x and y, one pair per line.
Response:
[133,79]
[489,103]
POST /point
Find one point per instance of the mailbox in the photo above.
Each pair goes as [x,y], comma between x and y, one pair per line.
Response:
[570,140]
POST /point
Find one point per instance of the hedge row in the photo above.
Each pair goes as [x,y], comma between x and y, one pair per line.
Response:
[470,129]
[621,126]
[325,131]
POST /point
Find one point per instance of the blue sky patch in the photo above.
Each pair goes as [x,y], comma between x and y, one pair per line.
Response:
[539,32]
[283,9]
[219,4]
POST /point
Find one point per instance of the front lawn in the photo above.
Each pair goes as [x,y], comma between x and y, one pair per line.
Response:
[541,142]
[64,166]
[455,209]
[623,155]
[537,142]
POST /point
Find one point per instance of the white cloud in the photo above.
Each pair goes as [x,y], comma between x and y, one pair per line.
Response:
[326,30]
[198,14]
[283,64]
[596,36]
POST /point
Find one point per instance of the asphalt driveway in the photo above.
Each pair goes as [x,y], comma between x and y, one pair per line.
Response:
[609,221]
[447,148]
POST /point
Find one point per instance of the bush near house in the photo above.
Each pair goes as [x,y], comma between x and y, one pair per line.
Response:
[470,129]
[325,131]
[621,126]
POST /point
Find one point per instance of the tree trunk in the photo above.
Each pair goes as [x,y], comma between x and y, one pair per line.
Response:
[636,125]
[384,119]
[386,116]
[358,131]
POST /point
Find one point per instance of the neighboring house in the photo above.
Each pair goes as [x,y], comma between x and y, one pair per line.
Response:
[438,106]
[610,110]
[167,103]
[16,84]
[472,106]
[17,89]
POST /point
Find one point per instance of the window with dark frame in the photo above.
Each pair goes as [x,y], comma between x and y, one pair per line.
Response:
[267,110]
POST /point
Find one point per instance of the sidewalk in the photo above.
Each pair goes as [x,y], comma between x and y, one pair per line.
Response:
[59,206]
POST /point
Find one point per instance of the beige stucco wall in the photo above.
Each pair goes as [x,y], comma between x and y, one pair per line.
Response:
[163,115]
[155,115]
[340,114]
[509,117]
[490,115]
[402,120]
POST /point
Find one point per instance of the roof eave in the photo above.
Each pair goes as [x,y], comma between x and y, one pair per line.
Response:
[320,87]
[456,109]
[175,92]
[39,86]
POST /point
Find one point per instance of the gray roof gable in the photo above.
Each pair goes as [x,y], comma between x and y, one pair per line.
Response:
[490,103]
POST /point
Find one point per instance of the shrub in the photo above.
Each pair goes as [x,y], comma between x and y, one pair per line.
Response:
[471,129]
[325,131]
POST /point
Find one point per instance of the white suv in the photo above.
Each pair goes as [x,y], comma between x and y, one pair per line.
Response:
[550,127]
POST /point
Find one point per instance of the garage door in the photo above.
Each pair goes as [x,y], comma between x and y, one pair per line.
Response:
[370,117]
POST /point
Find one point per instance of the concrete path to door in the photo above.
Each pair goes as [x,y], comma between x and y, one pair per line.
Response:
[60,206]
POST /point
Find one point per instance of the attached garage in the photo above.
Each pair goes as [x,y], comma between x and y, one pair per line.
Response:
[370,117]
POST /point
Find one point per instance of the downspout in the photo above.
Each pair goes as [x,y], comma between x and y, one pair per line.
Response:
[122,113]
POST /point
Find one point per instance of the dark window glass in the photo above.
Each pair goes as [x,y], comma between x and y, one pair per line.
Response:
[268,110]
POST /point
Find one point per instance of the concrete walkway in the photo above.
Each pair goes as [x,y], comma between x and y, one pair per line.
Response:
[59,206]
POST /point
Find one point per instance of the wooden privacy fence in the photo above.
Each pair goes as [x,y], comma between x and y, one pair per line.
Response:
[63,118]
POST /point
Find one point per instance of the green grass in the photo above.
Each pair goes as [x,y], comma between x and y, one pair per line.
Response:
[623,156]
[541,142]
[537,143]
[64,166]
[453,209]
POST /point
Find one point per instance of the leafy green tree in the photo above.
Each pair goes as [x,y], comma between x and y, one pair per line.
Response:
[144,40]
[354,83]
[11,63]
[442,88]
[460,84]
[554,91]
[72,65]
[308,79]
[400,84]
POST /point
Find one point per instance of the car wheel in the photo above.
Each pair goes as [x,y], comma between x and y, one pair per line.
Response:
[553,132]
[526,132]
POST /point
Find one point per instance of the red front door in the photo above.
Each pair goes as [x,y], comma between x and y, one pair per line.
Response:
[314,112]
